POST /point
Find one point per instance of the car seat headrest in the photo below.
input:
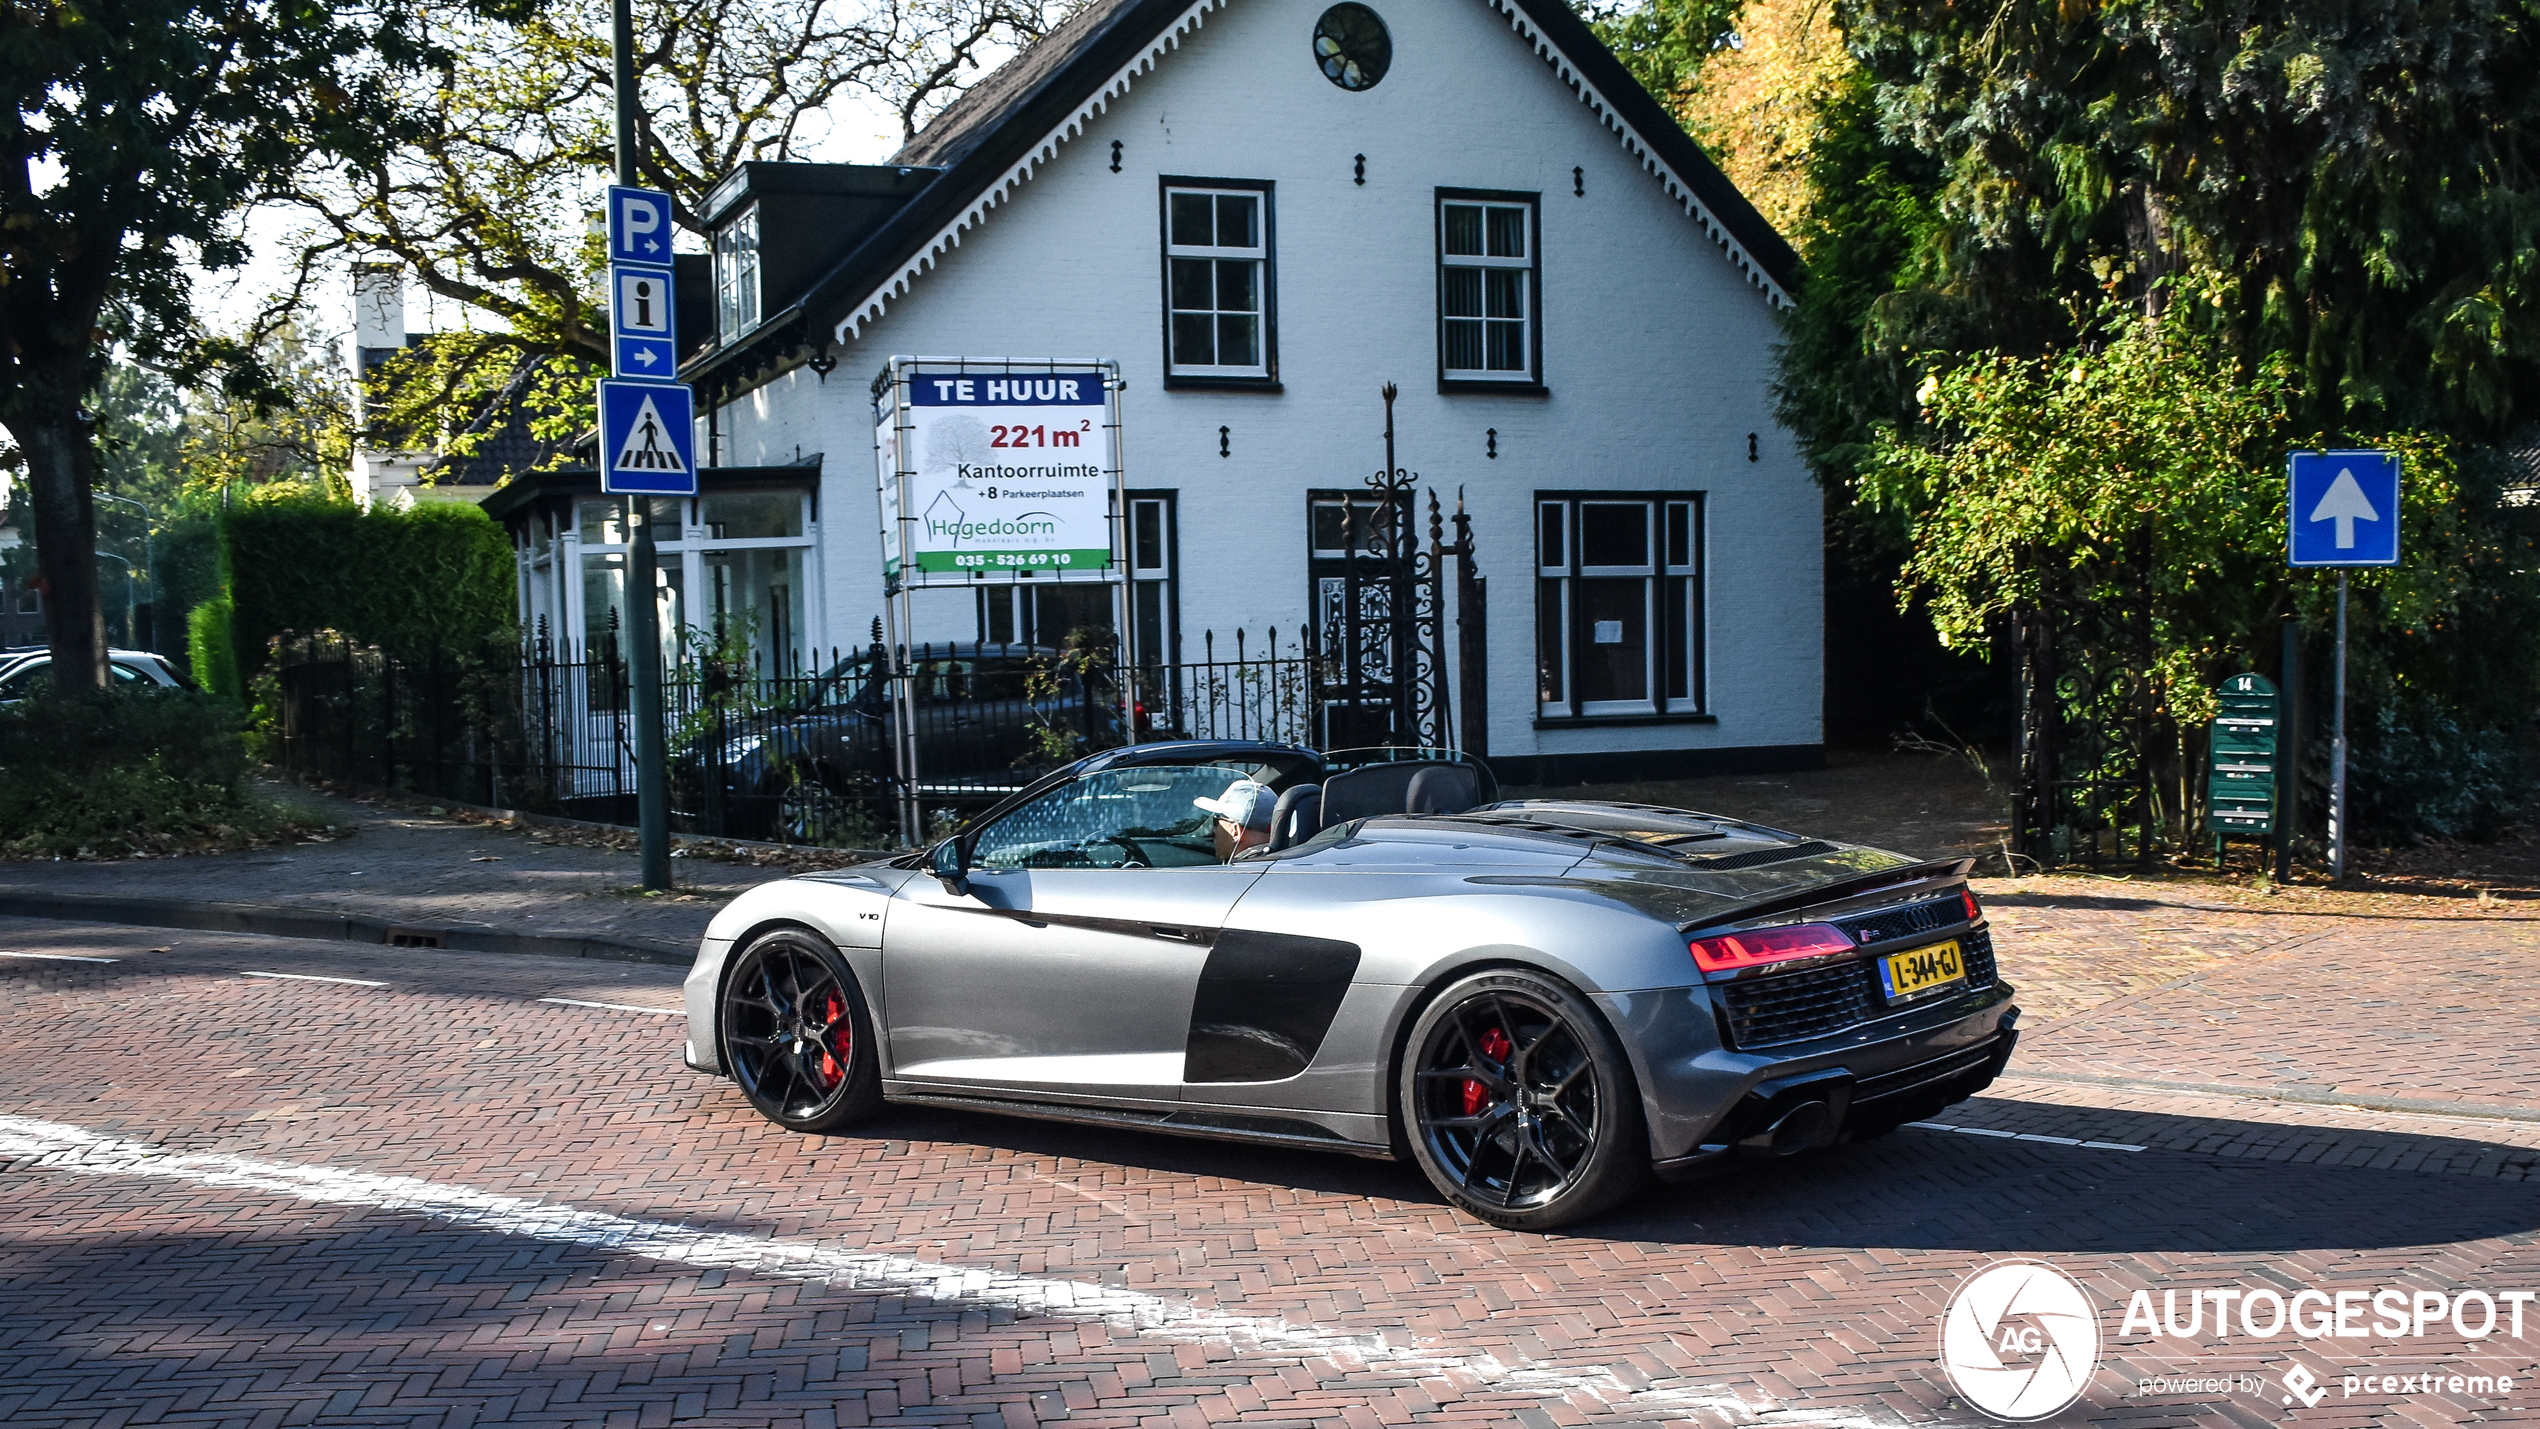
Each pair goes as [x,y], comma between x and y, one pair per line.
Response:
[1298,816]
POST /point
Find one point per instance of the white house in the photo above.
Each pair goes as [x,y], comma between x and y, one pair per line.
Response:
[1264,210]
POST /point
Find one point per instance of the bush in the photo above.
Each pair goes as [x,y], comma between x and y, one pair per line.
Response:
[210,648]
[124,771]
[437,577]
[2416,772]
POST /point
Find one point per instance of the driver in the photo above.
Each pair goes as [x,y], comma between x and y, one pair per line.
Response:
[1242,817]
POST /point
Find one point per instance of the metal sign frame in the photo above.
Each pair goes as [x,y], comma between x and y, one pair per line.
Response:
[894,470]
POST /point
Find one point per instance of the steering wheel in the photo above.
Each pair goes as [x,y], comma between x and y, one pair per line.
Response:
[1132,855]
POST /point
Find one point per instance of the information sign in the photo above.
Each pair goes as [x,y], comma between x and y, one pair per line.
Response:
[997,470]
[2240,789]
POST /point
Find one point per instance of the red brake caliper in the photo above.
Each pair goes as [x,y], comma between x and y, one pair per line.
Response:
[834,1012]
[1496,1046]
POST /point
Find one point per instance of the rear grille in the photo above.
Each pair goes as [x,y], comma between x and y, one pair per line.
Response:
[1906,921]
[1979,952]
[1793,1007]
[1757,858]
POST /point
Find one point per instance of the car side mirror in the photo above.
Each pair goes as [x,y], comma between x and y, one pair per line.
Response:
[952,866]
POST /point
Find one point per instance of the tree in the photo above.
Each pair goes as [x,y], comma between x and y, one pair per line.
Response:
[491,204]
[137,130]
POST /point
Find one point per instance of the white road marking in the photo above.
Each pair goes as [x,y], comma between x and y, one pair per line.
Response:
[60,958]
[52,1146]
[313,977]
[2024,1136]
[614,1006]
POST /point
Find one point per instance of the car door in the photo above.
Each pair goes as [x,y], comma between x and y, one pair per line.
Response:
[1069,962]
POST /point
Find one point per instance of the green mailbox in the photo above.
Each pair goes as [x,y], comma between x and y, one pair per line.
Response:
[2240,790]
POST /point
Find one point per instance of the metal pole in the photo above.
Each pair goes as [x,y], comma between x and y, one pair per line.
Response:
[2337,745]
[652,774]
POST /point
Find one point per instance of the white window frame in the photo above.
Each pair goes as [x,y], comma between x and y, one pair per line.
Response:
[736,275]
[1528,319]
[1265,326]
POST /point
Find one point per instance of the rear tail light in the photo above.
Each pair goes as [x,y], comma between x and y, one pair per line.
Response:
[1755,947]
[1974,911]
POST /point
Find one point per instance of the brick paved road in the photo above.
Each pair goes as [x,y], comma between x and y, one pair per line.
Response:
[426,1196]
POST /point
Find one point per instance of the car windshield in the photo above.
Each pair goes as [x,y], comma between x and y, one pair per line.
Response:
[1140,817]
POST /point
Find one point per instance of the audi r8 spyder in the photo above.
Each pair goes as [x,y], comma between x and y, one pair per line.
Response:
[1541,1002]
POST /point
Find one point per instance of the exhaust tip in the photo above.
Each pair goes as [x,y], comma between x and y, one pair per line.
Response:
[1799,1128]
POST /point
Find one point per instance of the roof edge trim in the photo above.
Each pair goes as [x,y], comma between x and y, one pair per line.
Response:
[1748,265]
[999,189]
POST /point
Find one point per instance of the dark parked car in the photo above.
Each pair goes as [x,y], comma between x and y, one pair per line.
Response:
[818,766]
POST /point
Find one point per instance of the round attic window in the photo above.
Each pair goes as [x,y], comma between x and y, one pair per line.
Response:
[1352,47]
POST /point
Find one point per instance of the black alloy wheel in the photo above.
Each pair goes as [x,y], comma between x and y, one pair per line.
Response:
[796,1033]
[1519,1103]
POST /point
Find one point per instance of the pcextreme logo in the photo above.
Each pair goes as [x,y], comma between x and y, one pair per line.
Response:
[2020,1340]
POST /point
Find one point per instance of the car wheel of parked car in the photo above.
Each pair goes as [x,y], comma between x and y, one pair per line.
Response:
[1519,1103]
[797,1034]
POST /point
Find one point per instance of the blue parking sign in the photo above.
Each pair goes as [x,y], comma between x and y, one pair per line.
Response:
[647,438]
[639,226]
[2343,509]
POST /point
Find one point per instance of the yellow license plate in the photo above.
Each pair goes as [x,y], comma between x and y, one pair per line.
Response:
[1920,970]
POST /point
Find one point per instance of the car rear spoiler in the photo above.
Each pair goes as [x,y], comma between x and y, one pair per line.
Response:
[1857,886]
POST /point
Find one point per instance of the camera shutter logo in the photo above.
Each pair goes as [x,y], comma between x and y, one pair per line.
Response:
[2020,1340]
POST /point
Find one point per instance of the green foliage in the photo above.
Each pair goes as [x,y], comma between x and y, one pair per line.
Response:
[211,647]
[1663,42]
[185,570]
[109,773]
[2361,172]
[2418,772]
[438,577]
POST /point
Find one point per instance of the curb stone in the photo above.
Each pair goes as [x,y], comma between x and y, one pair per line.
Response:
[277,922]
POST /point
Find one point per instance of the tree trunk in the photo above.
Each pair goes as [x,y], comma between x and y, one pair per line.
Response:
[60,464]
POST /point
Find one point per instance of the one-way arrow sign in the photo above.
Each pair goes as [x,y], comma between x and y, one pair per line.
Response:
[2343,509]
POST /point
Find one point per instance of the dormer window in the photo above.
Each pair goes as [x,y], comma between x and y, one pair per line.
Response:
[736,305]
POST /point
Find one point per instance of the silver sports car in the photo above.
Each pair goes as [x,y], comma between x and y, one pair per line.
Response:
[1540,1001]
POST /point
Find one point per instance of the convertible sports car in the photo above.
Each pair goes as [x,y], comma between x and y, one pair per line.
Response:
[1539,1001]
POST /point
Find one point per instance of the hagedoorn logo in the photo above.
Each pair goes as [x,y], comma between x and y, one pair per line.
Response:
[2020,1340]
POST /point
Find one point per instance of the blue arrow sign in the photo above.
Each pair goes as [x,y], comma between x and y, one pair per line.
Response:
[2343,509]
[639,226]
[643,322]
[647,438]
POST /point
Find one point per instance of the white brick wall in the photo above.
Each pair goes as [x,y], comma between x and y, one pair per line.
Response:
[1656,350]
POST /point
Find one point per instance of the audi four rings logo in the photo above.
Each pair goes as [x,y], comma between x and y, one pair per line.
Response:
[2020,1340]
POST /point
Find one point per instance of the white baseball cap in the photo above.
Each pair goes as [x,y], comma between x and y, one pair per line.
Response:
[1245,804]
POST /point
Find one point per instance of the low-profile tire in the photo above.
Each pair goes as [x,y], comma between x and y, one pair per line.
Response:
[797,1035]
[1519,1104]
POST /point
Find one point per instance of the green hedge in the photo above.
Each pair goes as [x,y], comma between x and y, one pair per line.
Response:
[437,577]
[211,647]
[115,771]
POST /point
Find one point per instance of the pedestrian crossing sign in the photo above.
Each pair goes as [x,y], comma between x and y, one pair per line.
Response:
[647,438]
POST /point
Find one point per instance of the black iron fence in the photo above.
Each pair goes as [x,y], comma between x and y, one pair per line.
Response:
[795,753]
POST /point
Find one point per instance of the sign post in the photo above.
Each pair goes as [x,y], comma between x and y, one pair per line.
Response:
[2342,511]
[996,472]
[647,436]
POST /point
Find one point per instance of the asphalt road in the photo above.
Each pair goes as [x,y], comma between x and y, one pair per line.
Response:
[262,1182]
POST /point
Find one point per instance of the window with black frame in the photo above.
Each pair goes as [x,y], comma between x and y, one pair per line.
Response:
[1489,306]
[1218,282]
[1618,605]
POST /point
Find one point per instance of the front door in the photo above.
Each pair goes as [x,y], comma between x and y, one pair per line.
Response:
[1071,963]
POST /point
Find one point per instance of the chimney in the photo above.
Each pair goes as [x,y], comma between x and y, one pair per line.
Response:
[379,306]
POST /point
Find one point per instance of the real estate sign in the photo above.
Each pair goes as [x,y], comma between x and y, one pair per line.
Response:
[997,469]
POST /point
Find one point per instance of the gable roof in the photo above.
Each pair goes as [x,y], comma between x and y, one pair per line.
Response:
[989,142]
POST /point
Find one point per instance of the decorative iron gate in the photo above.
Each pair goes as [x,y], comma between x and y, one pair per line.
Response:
[2087,719]
[1379,611]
